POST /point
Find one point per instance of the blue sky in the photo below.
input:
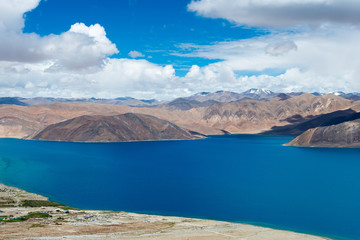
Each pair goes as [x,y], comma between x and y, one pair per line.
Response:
[165,49]
[155,28]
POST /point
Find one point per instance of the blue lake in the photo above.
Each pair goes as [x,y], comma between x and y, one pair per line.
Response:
[239,178]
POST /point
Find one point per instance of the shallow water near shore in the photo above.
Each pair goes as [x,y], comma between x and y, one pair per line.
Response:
[244,178]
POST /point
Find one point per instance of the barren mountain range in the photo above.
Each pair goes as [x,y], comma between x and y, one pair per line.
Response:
[271,113]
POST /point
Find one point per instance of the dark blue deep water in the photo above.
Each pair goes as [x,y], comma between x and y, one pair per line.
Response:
[241,178]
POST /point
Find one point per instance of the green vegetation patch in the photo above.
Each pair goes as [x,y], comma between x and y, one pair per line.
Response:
[36,215]
[12,220]
[40,203]
[28,216]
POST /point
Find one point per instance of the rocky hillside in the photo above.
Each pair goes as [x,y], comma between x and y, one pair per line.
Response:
[253,116]
[300,124]
[346,134]
[25,121]
[119,128]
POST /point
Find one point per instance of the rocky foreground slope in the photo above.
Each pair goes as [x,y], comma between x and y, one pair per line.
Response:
[119,128]
[346,134]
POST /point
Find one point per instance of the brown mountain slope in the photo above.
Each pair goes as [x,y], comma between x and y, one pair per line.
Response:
[119,128]
[246,116]
[321,120]
[345,134]
[254,116]
[24,122]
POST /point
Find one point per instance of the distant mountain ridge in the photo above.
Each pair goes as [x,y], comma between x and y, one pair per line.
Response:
[219,96]
[12,101]
[205,99]
[243,116]
[291,113]
[202,99]
[126,101]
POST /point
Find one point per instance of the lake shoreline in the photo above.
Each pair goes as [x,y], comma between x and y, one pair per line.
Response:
[122,225]
[130,141]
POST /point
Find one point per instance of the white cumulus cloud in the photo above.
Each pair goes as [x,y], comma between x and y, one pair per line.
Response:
[325,59]
[279,13]
[77,63]
[82,48]
[321,58]
[118,77]
[12,11]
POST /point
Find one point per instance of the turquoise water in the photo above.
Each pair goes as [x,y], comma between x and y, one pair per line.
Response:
[241,178]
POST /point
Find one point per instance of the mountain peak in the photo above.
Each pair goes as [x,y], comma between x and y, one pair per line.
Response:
[258,91]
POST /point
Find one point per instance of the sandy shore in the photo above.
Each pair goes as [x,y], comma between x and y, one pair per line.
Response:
[60,222]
